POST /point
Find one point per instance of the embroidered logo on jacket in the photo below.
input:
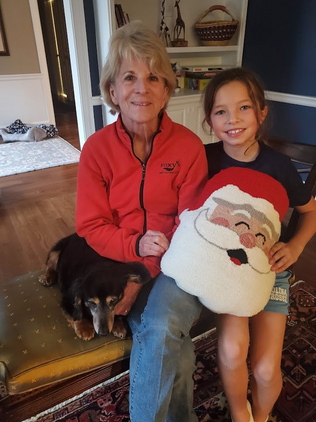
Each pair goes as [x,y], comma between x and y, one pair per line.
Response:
[169,168]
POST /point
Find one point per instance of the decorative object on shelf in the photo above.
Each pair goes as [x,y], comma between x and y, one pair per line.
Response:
[214,33]
[179,29]
[177,71]
[177,88]
[164,30]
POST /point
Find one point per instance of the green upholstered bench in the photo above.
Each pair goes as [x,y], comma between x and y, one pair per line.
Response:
[42,362]
[38,347]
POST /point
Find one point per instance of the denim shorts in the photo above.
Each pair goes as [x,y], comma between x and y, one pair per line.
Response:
[279,298]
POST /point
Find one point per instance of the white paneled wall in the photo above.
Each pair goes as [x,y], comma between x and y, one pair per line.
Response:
[23,97]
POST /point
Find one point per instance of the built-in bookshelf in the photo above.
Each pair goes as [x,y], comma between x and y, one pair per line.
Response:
[185,106]
[195,53]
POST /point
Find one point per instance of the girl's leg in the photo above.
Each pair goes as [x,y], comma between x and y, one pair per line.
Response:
[162,359]
[233,343]
[267,334]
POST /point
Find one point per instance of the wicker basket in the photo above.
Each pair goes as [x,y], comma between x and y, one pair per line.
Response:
[215,32]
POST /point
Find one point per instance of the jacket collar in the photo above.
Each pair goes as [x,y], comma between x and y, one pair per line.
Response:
[164,128]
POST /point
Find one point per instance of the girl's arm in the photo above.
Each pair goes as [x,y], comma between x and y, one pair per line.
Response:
[285,254]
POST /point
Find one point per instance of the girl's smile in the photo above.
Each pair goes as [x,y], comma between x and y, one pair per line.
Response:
[234,121]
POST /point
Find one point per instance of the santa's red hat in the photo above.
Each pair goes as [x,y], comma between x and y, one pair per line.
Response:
[254,183]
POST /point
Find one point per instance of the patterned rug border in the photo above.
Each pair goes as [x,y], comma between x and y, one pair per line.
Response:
[23,157]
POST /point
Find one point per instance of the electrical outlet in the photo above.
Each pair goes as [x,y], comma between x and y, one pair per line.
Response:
[169,8]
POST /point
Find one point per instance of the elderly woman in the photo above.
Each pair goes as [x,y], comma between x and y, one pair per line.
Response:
[135,177]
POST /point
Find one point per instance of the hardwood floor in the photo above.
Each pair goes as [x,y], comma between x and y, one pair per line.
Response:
[38,208]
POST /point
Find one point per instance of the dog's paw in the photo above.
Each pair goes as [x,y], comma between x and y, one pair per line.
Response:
[43,280]
[84,329]
[119,327]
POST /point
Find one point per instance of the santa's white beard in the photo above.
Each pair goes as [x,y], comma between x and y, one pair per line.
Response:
[206,271]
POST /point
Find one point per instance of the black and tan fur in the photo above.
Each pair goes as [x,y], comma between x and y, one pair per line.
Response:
[91,286]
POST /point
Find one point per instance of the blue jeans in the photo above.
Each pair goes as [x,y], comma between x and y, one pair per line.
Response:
[162,360]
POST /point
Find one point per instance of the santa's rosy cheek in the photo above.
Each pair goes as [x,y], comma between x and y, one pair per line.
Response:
[220,221]
[248,240]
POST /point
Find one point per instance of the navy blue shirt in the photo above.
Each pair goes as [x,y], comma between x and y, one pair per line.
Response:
[269,161]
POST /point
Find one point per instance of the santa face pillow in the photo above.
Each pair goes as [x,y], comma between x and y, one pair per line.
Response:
[220,251]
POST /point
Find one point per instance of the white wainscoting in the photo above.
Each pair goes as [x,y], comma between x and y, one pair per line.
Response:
[23,97]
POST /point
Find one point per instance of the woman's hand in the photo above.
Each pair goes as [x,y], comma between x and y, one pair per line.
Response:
[130,295]
[153,243]
[282,255]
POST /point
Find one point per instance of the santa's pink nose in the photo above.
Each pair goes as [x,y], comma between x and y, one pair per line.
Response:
[248,240]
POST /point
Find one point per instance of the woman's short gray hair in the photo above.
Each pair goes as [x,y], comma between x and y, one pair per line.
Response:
[137,42]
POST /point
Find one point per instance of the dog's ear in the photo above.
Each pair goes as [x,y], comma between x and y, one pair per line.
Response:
[138,273]
[78,307]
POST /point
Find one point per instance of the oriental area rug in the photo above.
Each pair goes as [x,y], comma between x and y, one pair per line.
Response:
[21,157]
[297,401]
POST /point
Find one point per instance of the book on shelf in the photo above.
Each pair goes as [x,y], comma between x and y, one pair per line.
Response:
[200,75]
[196,68]
[203,68]
[196,84]
[126,17]
[120,16]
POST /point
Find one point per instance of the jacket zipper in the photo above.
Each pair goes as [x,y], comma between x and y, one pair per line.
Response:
[141,188]
[141,197]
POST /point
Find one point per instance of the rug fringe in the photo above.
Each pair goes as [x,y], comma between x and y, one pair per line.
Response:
[297,282]
[203,335]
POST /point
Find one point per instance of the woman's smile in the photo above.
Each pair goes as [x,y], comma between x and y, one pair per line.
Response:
[141,96]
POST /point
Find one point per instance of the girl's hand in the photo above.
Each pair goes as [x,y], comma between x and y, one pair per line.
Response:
[153,243]
[130,295]
[282,255]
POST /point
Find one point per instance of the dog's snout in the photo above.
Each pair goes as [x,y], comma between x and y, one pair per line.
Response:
[103,321]
[103,331]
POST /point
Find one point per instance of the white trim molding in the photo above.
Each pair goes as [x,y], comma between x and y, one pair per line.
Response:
[78,49]
[291,99]
[104,15]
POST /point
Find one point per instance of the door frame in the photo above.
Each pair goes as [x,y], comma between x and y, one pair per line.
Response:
[79,58]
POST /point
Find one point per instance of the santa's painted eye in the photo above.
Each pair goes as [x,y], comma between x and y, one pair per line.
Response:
[243,223]
[261,239]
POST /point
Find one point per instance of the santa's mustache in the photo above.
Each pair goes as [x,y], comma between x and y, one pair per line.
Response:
[227,240]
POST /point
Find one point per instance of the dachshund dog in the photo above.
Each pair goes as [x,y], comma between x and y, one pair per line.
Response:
[91,286]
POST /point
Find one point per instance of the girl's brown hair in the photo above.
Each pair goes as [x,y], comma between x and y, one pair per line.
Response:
[252,83]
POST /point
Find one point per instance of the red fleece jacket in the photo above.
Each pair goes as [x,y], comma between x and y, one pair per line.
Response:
[119,198]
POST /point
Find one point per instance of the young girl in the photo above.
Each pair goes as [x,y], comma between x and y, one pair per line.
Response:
[235,109]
